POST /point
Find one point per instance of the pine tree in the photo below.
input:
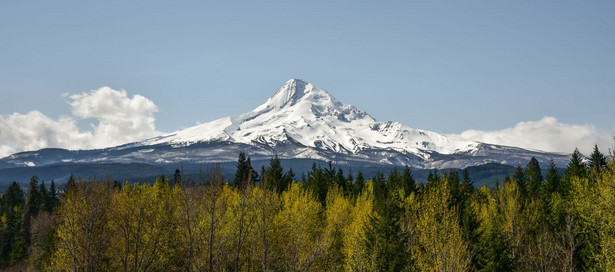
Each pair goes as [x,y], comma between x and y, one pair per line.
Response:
[467,186]
[255,177]
[380,190]
[275,176]
[385,239]
[597,161]
[576,167]
[44,196]
[408,183]
[12,244]
[341,181]
[533,178]
[243,170]
[519,177]
[359,183]
[289,178]
[53,195]
[177,178]
[31,208]
[553,180]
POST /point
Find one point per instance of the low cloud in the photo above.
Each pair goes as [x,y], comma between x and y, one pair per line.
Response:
[546,134]
[118,119]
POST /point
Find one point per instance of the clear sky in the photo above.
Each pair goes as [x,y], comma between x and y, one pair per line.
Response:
[480,69]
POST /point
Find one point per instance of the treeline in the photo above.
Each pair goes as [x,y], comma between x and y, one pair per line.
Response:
[326,220]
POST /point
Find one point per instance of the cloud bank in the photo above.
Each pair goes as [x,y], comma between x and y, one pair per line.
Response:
[118,119]
[546,134]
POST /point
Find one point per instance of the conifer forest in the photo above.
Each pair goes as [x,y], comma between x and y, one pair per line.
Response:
[270,219]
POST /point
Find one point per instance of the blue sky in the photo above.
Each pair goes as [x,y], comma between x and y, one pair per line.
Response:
[470,68]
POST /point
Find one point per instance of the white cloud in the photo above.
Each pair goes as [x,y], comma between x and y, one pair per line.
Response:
[119,119]
[546,134]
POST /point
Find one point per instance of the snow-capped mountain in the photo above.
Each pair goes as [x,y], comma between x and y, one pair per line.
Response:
[300,121]
[304,114]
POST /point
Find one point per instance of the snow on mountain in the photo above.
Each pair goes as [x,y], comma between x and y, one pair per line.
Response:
[303,113]
[300,121]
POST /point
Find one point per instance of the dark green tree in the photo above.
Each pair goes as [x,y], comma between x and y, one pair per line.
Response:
[597,161]
[385,239]
[255,177]
[467,185]
[533,178]
[380,190]
[341,181]
[519,177]
[31,208]
[576,167]
[289,177]
[243,172]
[553,180]
[275,176]
[408,183]
[393,181]
[318,183]
[44,196]
[359,183]
[433,176]
[177,178]
[12,243]
[53,196]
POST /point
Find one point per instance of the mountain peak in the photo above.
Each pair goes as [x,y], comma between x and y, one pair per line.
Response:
[291,93]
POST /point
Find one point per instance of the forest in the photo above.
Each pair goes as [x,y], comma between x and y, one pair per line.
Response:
[325,220]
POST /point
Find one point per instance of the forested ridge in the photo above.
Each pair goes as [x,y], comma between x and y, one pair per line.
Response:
[325,220]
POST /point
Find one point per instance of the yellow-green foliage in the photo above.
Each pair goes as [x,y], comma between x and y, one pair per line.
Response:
[216,227]
[441,246]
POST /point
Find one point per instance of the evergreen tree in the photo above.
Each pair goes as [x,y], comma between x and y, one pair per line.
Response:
[394,180]
[519,177]
[275,175]
[553,180]
[385,239]
[53,195]
[318,183]
[457,195]
[533,178]
[576,167]
[597,161]
[380,190]
[255,177]
[408,183]
[341,181]
[243,171]
[12,244]
[433,176]
[467,186]
[44,197]
[359,182]
[31,208]
[177,178]
[289,178]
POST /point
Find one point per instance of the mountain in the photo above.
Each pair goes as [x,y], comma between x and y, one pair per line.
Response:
[300,121]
